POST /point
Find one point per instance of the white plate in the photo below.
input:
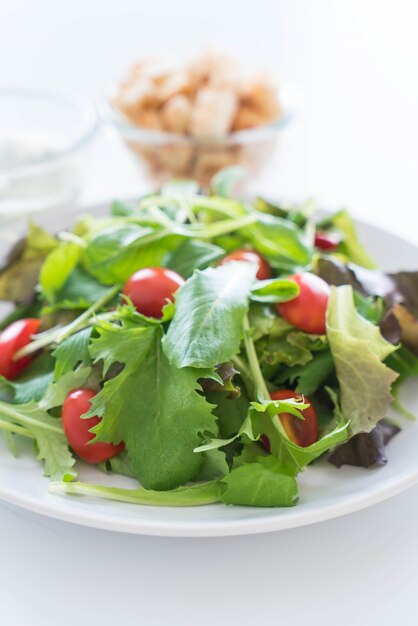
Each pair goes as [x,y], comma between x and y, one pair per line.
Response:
[325,492]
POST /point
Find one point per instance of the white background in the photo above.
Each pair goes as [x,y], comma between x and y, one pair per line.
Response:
[355,145]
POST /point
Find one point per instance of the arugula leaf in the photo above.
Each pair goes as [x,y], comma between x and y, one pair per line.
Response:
[33,382]
[274,290]
[281,241]
[57,267]
[358,349]
[260,484]
[71,352]
[246,431]
[151,406]
[192,254]
[79,291]
[55,394]
[48,434]
[212,300]
[116,253]
[213,466]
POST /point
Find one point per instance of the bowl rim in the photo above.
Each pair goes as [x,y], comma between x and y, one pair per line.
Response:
[79,101]
[289,97]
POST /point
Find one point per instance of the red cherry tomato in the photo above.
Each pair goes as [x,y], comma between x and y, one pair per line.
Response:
[12,338]
[308,310]
[76,403]
[150,288]
[327,241]
[302,432]
[264,269]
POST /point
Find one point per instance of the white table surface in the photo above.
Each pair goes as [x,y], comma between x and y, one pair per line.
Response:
[355,146]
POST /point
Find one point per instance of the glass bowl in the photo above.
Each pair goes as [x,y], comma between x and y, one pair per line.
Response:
[43,137]
[165,155]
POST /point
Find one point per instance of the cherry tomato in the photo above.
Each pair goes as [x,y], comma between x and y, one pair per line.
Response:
[150,288]
[327,241]
[12,338]
[308,310]
[76,403]
[302,432]
[264,269]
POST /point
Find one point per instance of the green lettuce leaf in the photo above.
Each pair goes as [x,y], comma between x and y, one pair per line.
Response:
[57,267]
[192,254]
[71,352]
[210,308]
[116,253]
[52,447]
[32,383]
[151,406]
[281,241]
[79,291]
[274,290]
[358,349]
[259,484]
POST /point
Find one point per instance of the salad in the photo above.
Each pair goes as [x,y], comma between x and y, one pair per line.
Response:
[208,347]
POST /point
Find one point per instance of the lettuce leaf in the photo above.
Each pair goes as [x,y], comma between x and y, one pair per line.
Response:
[150,405]
[210,308]
[365,449]
[358,349]
[262,483]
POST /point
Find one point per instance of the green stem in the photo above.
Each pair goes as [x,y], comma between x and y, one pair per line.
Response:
[8,409]
[14,428]
[261,391]
[244,372]
[222,228]
[222,206]
[196,495]
[58,334]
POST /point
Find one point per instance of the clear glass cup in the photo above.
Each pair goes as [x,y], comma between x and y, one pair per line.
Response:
[43,139]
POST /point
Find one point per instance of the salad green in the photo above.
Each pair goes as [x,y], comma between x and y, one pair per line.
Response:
[221,395]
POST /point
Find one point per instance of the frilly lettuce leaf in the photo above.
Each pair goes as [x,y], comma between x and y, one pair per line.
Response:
[358,349]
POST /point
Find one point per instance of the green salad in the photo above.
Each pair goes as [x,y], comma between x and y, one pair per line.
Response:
[208,347]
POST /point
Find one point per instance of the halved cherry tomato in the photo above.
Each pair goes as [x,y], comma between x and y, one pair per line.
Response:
[150,288]
[302,432]
[327,241]
[264,269]
[76,403]
[12,338]
[308,310]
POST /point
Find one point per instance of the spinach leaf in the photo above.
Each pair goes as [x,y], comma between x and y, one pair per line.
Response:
[210,308]
[192,254]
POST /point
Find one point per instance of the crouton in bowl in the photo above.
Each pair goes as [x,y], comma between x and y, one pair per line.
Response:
[190,120]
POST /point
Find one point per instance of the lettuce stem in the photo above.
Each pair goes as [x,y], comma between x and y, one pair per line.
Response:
[58,334]
[196,495]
